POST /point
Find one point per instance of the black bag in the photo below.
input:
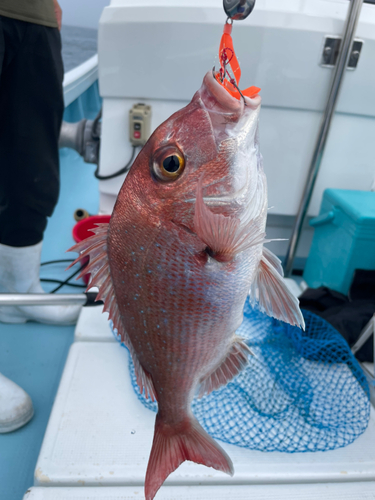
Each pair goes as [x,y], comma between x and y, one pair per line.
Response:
[349,315]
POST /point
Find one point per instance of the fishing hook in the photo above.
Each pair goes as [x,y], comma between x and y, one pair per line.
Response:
[233,82]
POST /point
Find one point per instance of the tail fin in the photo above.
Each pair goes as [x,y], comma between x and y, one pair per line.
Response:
[173,445]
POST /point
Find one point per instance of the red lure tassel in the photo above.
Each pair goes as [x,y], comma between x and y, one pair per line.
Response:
[228,56]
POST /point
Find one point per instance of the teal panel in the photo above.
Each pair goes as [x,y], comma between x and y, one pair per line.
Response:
[344,239]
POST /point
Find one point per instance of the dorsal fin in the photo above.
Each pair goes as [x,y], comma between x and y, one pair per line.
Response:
[95,248]
[234,362]
[271,292]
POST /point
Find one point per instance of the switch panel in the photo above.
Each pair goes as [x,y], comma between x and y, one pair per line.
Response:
[139,124]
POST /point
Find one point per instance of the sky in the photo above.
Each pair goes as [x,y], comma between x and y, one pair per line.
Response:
[84,13]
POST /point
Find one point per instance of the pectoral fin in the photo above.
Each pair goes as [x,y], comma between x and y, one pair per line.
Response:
[271,292]
[224,236]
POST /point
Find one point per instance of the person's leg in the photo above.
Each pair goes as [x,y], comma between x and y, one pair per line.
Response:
[16,408]
[31,109]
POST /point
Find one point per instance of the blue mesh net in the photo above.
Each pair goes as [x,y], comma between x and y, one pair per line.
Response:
[302,391]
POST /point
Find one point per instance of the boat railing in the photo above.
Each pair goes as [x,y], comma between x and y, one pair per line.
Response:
[81,91]
[79,79]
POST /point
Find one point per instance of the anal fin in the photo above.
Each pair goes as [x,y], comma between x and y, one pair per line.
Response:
[235,361]
[271,292]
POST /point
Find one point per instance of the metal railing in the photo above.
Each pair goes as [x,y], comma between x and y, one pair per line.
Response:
[354,11]
[79,79]
[42,299]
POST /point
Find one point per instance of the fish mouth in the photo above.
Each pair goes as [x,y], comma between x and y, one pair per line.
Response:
[231,118]
[216,98]
[215,95]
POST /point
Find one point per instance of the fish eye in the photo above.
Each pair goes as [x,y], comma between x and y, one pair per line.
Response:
[169,166]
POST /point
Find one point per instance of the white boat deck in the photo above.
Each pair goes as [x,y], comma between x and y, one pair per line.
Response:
[100,434]
[93,326]
[344,491]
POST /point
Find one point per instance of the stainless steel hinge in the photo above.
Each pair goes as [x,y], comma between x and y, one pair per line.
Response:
[331,52]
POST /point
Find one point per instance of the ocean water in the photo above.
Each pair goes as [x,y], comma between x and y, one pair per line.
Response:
[78,45]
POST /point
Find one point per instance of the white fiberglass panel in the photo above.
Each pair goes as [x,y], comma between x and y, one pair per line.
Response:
[93,326]
[157,52]
[162,50]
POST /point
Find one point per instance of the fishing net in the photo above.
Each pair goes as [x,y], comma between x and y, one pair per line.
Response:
[302,391]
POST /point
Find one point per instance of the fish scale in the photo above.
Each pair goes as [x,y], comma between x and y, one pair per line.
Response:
[175,265]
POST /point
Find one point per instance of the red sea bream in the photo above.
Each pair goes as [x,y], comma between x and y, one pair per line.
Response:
[182,251]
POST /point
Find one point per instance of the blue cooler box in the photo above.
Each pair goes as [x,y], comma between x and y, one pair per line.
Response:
[344,239]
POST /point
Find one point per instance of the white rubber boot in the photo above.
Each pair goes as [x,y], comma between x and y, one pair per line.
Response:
[19,273]
[16,408]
